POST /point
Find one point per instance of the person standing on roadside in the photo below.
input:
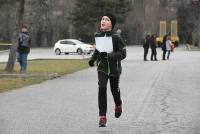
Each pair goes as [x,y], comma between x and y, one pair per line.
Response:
[169,46]
[153,48]
[23,49]
[146,44]
[122,34]
[109,67]
[164,47]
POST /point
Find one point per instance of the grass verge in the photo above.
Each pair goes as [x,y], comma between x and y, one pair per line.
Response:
[60,67]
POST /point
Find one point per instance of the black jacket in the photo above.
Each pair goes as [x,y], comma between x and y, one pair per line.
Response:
[153,42]
[24,42]
[146,42]
[164,43]
[112,65]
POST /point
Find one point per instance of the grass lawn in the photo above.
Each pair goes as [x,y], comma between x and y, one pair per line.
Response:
[60,67]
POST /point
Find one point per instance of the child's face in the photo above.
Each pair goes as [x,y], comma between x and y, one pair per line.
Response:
[106,24]
[24,29]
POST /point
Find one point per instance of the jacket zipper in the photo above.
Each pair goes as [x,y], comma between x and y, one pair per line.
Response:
[117,65]
[99,63]
[108,67]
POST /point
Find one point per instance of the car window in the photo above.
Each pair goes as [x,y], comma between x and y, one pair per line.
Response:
[71,43]
[67,42]
[78,42]
[63,42]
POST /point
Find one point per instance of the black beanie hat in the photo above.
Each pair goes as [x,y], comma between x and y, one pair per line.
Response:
[112,18]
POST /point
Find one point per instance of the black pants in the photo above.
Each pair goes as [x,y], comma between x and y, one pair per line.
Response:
[145,53]
[153,54]
[164,53]
[102,96]
[168,54]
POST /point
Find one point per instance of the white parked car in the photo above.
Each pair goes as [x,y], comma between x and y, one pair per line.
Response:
[72,46]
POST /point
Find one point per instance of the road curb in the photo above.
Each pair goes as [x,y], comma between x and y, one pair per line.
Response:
[33,76]
[3,51]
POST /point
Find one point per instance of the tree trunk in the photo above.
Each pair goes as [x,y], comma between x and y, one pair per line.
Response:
[18,22]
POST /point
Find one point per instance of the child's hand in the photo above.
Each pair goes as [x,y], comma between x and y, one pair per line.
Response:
[91,63]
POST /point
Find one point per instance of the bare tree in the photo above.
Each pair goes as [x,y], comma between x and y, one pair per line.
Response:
[19,7]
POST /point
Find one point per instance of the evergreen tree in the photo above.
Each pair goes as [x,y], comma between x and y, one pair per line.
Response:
[87,14]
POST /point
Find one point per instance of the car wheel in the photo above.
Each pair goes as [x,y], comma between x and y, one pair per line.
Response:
[66,53]
[57,51]
[79,51]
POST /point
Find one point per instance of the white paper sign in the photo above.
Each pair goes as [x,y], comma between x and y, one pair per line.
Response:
[104,44]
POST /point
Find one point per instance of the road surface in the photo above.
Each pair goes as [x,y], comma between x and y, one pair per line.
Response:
[43,53]
[160,97]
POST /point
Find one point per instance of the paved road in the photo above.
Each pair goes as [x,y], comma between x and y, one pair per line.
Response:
[160,97]
[43,53]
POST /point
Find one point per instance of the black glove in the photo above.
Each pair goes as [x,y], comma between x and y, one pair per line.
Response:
[103,55]
[91,63]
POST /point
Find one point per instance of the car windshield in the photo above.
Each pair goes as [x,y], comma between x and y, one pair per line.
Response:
[78,42]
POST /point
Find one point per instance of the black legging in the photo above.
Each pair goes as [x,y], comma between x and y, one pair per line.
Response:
[145,53]
[153,54]
[164,53]
[102,96]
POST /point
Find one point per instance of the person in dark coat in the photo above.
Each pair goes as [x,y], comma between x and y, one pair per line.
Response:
[146,44]
[109,67]
[153,48]
[164,46]
[23,49]
[122,34]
